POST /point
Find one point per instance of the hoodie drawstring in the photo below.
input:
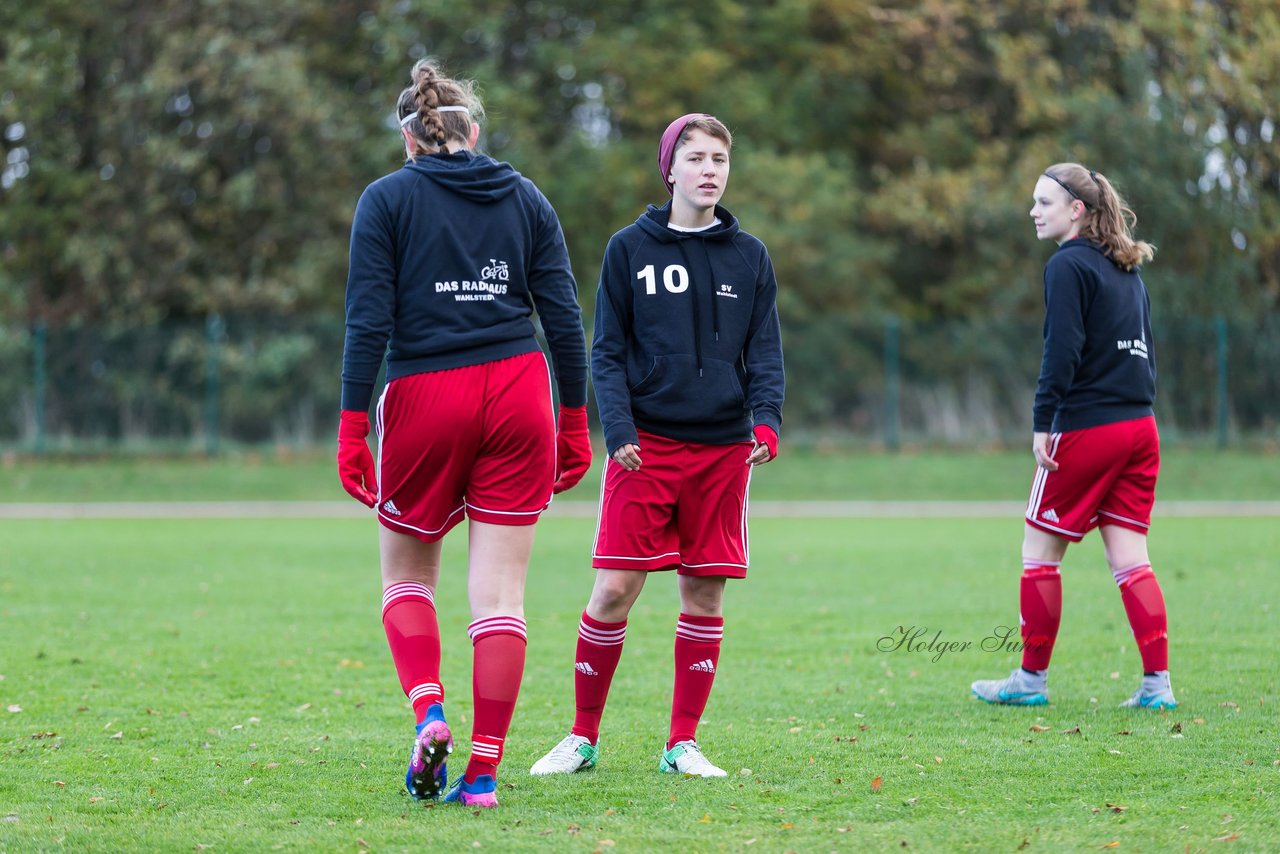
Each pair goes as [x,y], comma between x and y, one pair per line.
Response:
[693,294]
[715,307]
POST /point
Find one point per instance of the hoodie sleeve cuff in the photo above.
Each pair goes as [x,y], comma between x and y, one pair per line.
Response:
[356,396]
[618,435]
[769,418]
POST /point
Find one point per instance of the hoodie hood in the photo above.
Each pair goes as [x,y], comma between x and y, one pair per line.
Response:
[655,219]
[476,177]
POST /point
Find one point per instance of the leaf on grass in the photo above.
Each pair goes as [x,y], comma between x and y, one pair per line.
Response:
[1039,728]
[794,729]
[273,765]
[1116,808]
[1125,732]
[303,707]
[248,781]
[910,802]
[786,825]
[1115,753]
[1026,843]
[1230,837]
[1228,705]
[1197,720]
[745,772]
[877,783]
[14,708]
[606,843]
[937,759]
[1177,727]
[706,819]
[610,811]
[1075,730]
[1115,844]
[751,841]
[59,784]
[119,735]
[1115,674]
[361,843]
[95,799]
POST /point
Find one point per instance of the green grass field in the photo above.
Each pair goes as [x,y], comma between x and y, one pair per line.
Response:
[224,684]
[802,473]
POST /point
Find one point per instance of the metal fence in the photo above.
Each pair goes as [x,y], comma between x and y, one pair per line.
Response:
[203,386]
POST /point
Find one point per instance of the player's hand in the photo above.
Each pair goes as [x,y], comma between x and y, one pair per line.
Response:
[628,456]
[1040,450]
[766,447]
[355,463]
[573,448]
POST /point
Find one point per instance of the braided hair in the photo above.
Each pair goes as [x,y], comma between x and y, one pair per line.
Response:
[419,103]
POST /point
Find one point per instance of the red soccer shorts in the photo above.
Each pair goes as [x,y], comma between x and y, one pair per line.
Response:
[1106,475]
[685,509]
[477,441]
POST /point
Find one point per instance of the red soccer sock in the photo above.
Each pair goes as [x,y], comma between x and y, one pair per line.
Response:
[599,648]
[409,619]
[495,683]
[697,654]
[1144,603]
[1041,612]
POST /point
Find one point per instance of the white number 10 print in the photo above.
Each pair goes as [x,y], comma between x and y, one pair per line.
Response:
[675,279]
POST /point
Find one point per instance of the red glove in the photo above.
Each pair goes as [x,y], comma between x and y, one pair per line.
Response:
[355,463]
[573,448]
[765,436]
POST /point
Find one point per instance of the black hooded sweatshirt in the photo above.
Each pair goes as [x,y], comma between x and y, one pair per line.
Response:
[1099,362]
[449,257]
[687,343]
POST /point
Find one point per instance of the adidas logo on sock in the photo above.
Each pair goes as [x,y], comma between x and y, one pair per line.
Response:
[390,507]
[585,669]
[704,666]
[1049,515]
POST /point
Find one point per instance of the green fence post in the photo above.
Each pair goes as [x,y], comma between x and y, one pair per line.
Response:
[1221,324]
[211,384]
[38,369]
[892,381]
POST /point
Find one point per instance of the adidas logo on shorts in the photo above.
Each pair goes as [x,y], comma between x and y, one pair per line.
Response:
[390,507]
[704,666]
[585,669]
[1049,515]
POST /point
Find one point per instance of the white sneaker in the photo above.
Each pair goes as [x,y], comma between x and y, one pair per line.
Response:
[686,758]
[1155,692]
[575,753]
[1019,689]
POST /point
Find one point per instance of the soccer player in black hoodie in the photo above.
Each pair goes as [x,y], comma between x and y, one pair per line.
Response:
[1095,441]
[449,257]
[686,361]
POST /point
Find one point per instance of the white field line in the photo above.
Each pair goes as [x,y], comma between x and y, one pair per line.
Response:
[587,509]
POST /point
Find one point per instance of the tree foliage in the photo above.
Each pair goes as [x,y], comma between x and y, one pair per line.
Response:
[168,159]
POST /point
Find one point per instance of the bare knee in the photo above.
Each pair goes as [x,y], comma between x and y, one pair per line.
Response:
[1124,548]
[614,593]
[702,597]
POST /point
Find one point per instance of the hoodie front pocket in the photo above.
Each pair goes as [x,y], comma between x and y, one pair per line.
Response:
[674,391]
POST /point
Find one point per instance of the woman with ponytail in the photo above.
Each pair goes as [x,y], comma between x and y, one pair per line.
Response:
[450,256]
[1094,439]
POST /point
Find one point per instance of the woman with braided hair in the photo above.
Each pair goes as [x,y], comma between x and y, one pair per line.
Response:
[450,256]
[1095,442]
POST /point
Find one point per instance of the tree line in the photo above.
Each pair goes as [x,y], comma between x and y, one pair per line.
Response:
[165,161]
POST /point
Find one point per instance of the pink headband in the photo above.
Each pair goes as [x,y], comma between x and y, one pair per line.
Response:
[670,139]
